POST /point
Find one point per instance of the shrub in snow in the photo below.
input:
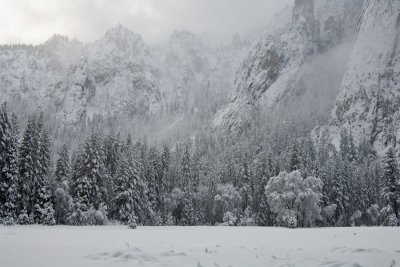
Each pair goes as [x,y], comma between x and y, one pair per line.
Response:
[289,191]
[48,215]
[355,219]
[289,219]
[392,220]
[328,213]
[80,215]
[133,222]
[169,219]
[374,214]
[229,219]
[389,218]
[77,214]
[23,218]
[246,219]
[100,215]
[8,221]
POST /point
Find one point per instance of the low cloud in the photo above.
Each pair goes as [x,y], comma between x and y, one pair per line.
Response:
[25,21]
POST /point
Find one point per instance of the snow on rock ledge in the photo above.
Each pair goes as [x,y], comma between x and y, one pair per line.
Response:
[368,104]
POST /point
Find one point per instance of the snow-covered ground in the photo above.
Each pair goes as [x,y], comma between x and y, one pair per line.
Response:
[42,246]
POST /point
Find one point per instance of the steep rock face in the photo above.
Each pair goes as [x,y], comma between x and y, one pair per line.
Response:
[369,99]
[29,73]
[125,74]
[269,65]
[273,73]
[76,92]
[337,21]
[115,75]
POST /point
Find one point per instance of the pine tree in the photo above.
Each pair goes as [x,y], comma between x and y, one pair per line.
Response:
[245,187]
[44,147]
[27,160]
[153,179]
[34,163]
[88,179]
[111,151]
[294,164]
[164,182]
[62,171]
[62,195]
[188,214]
[8,167]
[260,204]
[391,186]
[185,169]
[347,146]
[131,200]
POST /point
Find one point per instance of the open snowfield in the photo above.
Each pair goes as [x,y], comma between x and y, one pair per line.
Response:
[66,246]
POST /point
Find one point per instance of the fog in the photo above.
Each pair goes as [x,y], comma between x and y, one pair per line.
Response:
[33,22]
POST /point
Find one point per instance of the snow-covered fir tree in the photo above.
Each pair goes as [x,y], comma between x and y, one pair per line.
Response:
[130,190]
[34,163]
[8,167]
[62,197]
[88,181]
[391,189]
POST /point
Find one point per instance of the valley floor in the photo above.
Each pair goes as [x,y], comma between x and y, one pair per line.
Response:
[65,246]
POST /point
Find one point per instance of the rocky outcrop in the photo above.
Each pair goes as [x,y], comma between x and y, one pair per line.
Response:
[368,104]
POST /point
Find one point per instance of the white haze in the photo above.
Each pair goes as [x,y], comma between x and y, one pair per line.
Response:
[33,22]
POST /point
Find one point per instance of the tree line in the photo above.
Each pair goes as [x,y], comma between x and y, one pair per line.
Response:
[276,178]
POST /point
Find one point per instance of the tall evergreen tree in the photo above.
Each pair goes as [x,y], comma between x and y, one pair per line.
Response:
[111,151]
[294,163]
[130,191]
[188,213]
[391,186]
[8,167]
[186,181]
[34,163]
[62,191]
[88,179]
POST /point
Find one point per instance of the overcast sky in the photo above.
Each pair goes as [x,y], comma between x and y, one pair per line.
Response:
[34,21]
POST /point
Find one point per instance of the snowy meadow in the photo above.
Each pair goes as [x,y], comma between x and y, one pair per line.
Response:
[96,246]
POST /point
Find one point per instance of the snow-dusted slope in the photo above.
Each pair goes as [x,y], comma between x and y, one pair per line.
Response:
[369,100]
[31,73]
[272,74]
[115,75]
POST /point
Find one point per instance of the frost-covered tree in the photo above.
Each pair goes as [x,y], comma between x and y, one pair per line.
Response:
[226,199]
[289,193]
[8,167]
